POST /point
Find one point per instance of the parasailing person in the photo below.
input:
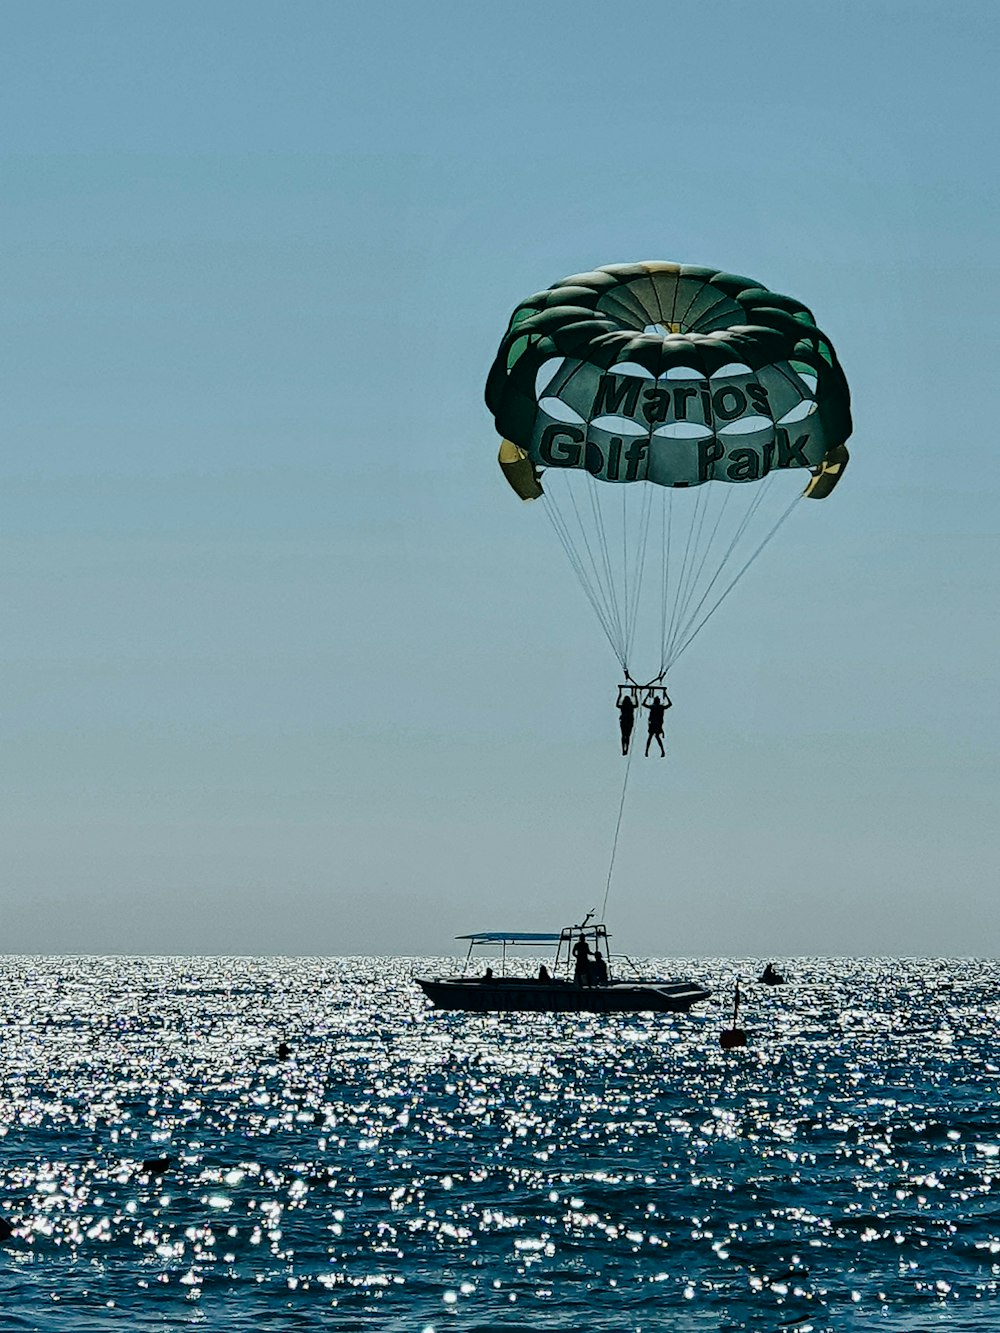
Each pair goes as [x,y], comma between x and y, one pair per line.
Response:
[626,716]
[657,707]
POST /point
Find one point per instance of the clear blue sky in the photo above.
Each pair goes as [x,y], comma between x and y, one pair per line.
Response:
[286,667]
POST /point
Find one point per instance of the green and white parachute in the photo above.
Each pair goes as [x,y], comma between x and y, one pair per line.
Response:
[673,376]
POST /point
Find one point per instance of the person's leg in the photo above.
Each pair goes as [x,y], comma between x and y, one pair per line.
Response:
[659,741]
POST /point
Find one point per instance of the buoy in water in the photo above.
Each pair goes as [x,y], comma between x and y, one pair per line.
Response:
[730,1038]
[156,1166]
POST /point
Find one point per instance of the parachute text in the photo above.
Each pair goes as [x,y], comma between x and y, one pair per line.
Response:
[618,393]
[568,446]
[749,464]
[563,446]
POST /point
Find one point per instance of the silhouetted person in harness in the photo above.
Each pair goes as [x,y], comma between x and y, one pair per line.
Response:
[626,718]
[657,707]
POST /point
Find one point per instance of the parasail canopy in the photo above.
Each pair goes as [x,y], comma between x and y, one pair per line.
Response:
[676,376]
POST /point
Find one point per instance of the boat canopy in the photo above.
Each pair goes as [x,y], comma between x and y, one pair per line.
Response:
[510,937]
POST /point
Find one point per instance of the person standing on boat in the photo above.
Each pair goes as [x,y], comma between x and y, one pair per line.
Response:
[599,970]
[657,707]
[581,952]
[626,718]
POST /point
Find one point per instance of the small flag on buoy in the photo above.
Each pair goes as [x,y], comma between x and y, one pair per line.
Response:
[730,1038]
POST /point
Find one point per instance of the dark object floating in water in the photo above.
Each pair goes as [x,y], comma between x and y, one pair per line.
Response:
[584,986]
[156,1166]
[771,978]
[6,1230]
[731,1038]
[284,1051]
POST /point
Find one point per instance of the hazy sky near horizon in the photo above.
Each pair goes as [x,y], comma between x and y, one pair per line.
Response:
[285,666]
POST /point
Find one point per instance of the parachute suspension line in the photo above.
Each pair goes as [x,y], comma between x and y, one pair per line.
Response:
[700,552]
[625,598]
[759,497]
[647,519]
[704,551]
[562,531]
[602,575]
[691,582]
[618,826]
[632,606]
[680,584]
[722,597]
[611,579]
[666,532]
[592,588]
[677,572]
[694,580]
[614,604]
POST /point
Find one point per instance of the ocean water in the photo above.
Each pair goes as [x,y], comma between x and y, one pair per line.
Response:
[404,1169]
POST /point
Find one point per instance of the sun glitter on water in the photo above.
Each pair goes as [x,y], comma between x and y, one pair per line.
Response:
[403,1169]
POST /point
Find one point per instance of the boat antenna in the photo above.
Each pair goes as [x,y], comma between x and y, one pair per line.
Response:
[614,844]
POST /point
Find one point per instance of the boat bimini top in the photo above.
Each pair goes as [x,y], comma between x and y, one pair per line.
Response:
[596,935]
[510,937]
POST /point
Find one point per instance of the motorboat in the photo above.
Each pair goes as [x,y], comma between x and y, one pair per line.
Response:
[580,980]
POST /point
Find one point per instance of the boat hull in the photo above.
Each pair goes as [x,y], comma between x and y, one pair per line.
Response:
[518,995]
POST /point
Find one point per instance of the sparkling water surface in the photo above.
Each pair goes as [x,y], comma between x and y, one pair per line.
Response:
[404,1169]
